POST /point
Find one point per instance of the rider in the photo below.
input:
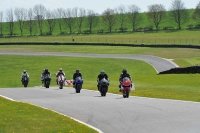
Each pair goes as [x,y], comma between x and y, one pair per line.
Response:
[77,74]
[123,75]
[24,73]
[60,71]
[101,76]
[45,72]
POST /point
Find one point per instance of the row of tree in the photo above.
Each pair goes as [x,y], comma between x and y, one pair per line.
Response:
[38,15]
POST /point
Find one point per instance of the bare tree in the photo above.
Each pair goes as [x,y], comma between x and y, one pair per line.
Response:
[109,18]
[59,16]
[80,14]
[1,23]
[156,14]
[30,22]
[21,14]
[179,13]
[121,16]
[69,18]
[92,19]
[134,16]
[51,20]
[39,11]
[10,21]
[196,13]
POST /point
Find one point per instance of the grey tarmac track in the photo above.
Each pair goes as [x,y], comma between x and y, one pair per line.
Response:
[113,113]
[158,63]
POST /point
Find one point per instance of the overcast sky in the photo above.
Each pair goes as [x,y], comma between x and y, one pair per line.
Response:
[97,5]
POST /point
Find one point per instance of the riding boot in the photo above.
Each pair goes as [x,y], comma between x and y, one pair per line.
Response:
[119,88]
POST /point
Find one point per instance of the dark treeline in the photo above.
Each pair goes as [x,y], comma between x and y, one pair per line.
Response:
[46,21]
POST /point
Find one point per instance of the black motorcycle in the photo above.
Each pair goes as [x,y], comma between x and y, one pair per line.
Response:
[25,80]
[47,80]
[103,86]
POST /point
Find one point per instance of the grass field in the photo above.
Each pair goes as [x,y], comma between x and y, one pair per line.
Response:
[16,117]
[147,82]
[161,37]
[184,57]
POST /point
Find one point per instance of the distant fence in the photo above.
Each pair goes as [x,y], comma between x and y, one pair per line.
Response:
[101,39]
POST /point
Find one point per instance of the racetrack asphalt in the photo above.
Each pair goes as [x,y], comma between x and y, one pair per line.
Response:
[158,63]
[113,113]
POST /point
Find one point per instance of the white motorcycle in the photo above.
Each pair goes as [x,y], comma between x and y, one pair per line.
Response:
[61,81]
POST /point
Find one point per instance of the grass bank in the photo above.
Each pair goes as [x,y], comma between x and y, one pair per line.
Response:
[147,82]
[184,57]
[160,37]
[17,117]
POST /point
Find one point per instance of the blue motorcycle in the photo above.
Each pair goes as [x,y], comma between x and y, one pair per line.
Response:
[78,84]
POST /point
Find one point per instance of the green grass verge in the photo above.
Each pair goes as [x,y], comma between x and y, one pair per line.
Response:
[17,117]
[184,62]
[179,57]
[147,82]
[160,37]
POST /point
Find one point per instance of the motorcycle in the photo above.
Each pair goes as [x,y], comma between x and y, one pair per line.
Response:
[78,84]
[126,87]
[47,80]
[103,86]
[25,80]
[61,81]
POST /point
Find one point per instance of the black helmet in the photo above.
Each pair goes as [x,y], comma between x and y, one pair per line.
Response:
[46,70]
[77,70]
[124,71]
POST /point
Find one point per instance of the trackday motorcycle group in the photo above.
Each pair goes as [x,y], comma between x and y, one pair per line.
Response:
[102,80]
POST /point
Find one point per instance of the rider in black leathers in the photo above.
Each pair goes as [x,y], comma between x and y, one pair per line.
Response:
[45,72]
[23,74]
[101,76]
[77,74]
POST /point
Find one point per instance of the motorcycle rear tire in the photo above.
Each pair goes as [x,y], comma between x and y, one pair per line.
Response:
[124,95]
[104,91]
[25,85]
[47,86]
[127,94]
[61,87]
[78,88]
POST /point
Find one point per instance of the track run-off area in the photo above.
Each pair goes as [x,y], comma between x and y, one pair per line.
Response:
[113,113]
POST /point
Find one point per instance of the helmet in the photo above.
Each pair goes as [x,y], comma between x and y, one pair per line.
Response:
[77,70]
[46,70]
[124,71]
[24,71]
[60,69]
[102,71]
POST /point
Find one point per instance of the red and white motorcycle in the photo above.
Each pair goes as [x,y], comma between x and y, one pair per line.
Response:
[126,86]
[61,81]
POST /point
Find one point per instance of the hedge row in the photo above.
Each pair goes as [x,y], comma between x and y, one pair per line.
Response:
[185,70]
[103,44]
